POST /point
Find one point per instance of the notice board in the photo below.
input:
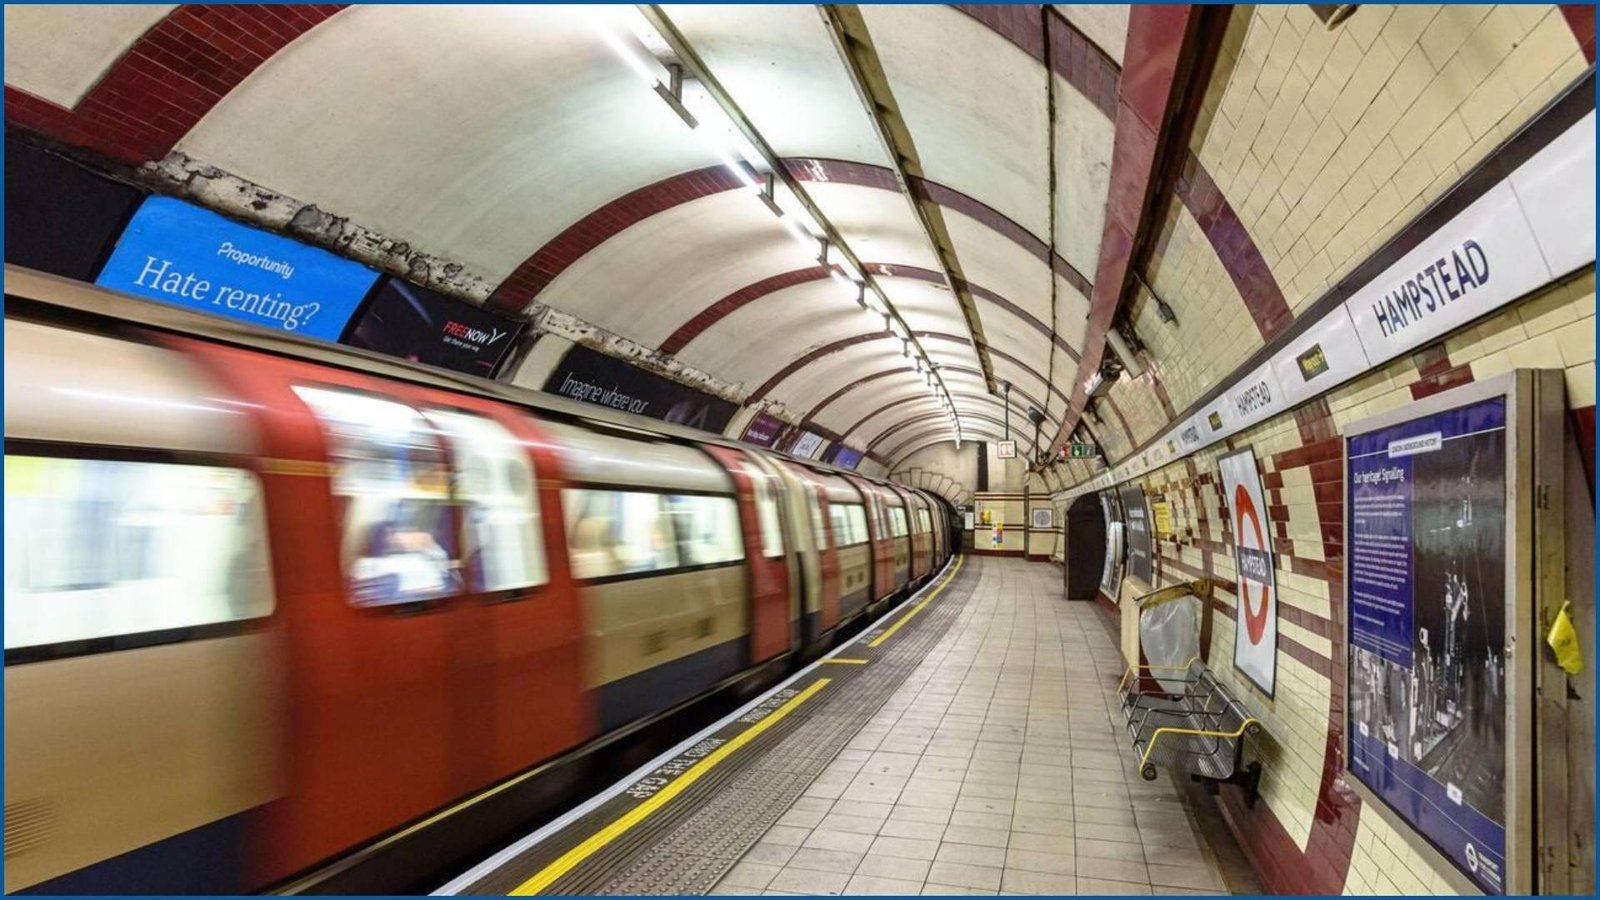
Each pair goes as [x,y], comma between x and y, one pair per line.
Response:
[1426,512]
[1136,521]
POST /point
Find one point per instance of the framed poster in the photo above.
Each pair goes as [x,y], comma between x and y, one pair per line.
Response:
[1006,449]
[1136,532]
[1442,584]
[1255,639]
[1044,517]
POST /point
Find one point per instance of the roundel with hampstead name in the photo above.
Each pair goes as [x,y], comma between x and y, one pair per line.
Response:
[1252,592]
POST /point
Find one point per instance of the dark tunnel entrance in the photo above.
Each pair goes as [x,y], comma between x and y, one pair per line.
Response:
[1085,556]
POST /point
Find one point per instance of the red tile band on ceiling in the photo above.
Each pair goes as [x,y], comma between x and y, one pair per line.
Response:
[1240,258]
[1580,18]
[874,376]
[168,79]
[923,396]
[721,309]
[716,312]
[1156,39]
[1075,58]
[815,354]
[932,417]
[536,272]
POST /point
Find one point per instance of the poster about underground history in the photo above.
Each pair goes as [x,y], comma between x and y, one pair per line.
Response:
[1426,505]
[1255,639]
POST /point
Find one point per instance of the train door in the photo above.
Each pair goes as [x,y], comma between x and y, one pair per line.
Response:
[830,610]
[518,638]
[883,584]
[761,522]
[800,557]
[364,544]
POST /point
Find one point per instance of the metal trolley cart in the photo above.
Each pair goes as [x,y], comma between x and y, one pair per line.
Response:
[1180,717]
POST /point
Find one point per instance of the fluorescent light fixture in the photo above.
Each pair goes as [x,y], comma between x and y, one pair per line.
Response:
[804,237]
[899,329]
[905,348]
[628,48]
[850,268]
[875,305]
[732,165]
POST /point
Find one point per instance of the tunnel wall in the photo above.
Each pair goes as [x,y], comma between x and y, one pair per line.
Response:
[1310,834]
[1313,148]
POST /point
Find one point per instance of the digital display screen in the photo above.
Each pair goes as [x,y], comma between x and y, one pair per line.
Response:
[425,326]
[180,254]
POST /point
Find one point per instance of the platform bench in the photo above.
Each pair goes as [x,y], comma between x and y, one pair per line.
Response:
[1182,718]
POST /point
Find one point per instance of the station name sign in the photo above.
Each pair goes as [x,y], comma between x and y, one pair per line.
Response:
[1535,226]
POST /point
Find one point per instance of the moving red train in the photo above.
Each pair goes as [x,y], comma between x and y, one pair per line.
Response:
[266,600]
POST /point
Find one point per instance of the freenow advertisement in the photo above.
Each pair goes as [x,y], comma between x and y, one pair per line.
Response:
[1255,640]
[763,430]
[181,254]
[593,377]
[424,326]
[1426,504]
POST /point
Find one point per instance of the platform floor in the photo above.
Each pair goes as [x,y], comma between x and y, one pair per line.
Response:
[967,744]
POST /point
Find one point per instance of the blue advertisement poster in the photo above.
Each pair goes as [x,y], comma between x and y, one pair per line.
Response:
[844,457]
[180,254]
[1426,508]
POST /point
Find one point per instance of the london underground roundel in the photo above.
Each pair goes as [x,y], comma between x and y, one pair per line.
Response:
[1255,645]
[1252,590]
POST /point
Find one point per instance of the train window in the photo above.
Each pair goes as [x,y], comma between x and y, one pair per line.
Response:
[709,528]
[767,513]
[495,486]
[816,521]
[897,521]
[618,533]
[924,521]
[393,490]
[849,523]
[116,547]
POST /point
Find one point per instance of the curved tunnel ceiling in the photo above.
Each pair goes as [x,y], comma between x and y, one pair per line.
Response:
[519,143]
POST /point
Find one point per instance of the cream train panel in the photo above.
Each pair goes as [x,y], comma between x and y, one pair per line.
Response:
[639,623]
[855,569]
[110,752]
[77,387]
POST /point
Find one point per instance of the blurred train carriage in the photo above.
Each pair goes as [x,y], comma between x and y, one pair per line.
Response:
[274,600]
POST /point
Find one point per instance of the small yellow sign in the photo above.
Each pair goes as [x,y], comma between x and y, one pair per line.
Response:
[1563,639]
[1162,512]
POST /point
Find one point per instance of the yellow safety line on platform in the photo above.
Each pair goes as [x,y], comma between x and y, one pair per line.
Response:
[569,860]
[918,608]
[840,661]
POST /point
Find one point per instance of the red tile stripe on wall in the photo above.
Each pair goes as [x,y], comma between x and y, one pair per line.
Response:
[537,271]
[1580,18]
[169,79]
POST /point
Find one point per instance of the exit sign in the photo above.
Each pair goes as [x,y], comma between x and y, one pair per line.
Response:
[1079,451]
